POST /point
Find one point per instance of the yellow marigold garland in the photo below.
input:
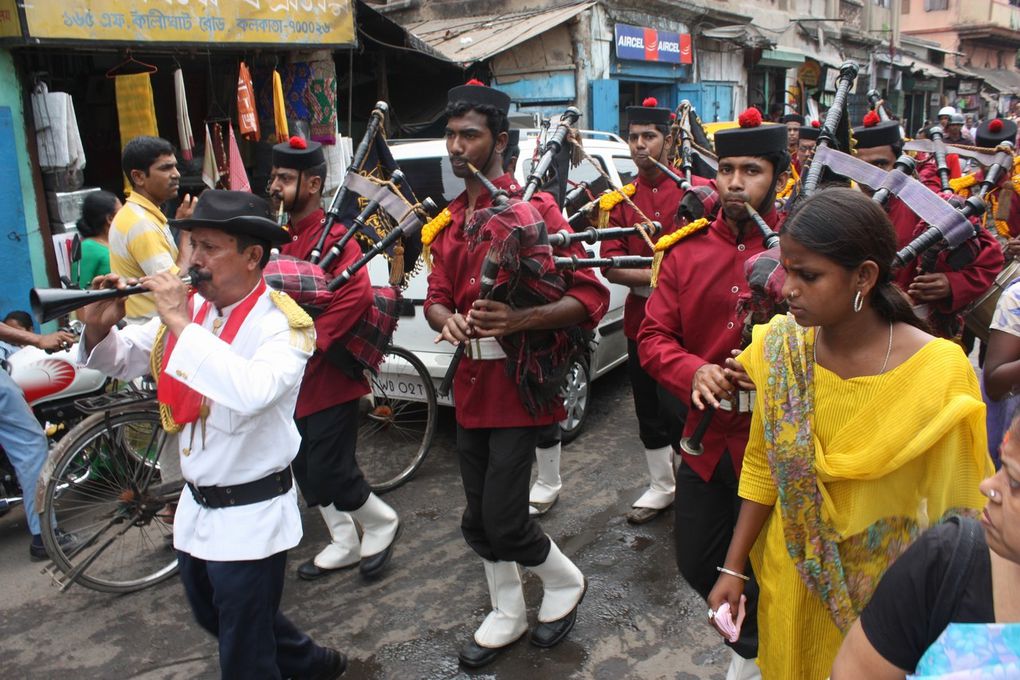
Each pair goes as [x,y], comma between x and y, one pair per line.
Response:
[1001,226]
[429,233]
[667,241]
[610,200]
[791,182]
[959,185]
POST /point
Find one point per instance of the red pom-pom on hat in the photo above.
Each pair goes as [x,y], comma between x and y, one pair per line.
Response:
[475,81]
[995,125]
[750,118]
[650,101]
[298,143]
[672,115]
[871,119]
[816,123]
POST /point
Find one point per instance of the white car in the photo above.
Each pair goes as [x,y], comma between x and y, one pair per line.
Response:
[427,167]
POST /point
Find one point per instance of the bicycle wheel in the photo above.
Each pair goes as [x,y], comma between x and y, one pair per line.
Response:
[398,421]
[106,491]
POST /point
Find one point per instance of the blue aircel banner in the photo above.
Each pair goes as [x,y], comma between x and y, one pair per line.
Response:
[648,44]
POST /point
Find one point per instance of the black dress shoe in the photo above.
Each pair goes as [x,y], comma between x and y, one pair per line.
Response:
[372,566]
[309,571]
[473,655]
[333,666]
[552,633]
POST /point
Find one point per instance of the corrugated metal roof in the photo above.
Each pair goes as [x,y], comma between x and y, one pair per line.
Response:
[467,40]
[1003,80]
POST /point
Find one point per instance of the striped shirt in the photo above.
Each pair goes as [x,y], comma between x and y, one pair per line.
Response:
[141,245]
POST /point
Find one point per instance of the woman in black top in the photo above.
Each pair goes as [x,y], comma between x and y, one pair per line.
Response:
[928,587]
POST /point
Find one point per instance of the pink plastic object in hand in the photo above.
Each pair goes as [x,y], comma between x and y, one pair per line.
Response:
[724,620]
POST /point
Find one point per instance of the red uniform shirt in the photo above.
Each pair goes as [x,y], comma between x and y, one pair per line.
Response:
[658,200]
[968,282]
[691,320]
[324,384]
[484,395]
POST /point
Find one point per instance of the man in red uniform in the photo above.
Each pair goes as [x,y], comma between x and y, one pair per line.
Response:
[793,122]
[327,408]
[690,329]
[657,196]
[806,145]
[990,134]
[941,288]
[496,432]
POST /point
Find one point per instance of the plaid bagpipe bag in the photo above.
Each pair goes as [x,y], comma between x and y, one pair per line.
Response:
[364,345]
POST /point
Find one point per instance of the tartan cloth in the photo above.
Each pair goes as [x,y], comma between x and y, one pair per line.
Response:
[364,345]
[697,202]
[765,279]
[136,110]
[322,101]
[538,361]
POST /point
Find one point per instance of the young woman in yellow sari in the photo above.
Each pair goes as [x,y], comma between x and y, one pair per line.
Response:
[866,430]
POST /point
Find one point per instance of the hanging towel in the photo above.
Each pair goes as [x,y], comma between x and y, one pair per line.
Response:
[248,119]
[187,139]
[56,128]
[136,110]
[210,169]
[322,101]
[238,175]
[279,109]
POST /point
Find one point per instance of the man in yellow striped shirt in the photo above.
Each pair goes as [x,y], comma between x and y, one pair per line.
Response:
[141,243]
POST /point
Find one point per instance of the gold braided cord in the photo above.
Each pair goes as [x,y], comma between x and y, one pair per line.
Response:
[166,416]
[297,317]
[669,240]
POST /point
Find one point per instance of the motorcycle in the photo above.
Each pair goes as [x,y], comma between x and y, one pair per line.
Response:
[52,383]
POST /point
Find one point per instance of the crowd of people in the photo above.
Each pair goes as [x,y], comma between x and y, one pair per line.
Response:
[843,443]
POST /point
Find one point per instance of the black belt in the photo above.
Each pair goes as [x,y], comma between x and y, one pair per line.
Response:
[270,486]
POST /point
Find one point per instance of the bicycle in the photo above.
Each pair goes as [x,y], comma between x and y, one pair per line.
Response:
[103,485]
[398,421]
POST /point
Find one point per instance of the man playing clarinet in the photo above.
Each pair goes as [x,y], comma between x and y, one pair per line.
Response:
[689,331]
[498,418]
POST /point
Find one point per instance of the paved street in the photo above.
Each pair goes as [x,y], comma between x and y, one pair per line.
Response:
[638,620]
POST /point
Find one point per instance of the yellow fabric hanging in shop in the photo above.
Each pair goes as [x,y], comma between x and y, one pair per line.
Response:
[136,110]
[279,109]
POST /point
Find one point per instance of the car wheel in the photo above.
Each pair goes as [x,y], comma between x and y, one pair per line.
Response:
[576,396]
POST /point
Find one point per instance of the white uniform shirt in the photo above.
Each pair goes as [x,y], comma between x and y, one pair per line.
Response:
[251,386]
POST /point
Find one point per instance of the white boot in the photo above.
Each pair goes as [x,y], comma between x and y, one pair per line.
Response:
[563,587]
[663,486]
[546,489]
[379,525]
[507,621]
[742,669]
[343,551]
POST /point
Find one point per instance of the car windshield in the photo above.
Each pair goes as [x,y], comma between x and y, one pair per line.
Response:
[432,177]
[625,166]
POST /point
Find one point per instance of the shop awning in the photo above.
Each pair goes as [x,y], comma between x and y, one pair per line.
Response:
[745,35]
[913,64]
[1005,82]
[781,58]
[467,40]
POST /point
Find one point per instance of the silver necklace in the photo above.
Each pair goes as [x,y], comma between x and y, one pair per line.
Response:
[888,351]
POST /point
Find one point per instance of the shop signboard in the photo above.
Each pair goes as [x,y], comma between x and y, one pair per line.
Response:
[10,25]
[640,43]
[283,23]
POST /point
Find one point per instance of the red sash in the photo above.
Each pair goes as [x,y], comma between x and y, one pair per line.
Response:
[185,403]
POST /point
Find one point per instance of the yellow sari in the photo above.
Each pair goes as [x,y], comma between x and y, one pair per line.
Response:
[855,470]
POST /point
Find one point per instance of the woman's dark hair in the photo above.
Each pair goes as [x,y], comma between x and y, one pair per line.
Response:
[97,206]
[849,228]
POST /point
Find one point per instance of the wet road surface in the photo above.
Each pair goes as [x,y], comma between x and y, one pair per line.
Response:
[638,620]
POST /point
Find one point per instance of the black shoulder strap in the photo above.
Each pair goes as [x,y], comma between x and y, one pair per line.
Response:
[960,565]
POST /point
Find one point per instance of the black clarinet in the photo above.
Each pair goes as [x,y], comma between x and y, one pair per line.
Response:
[552,148]
[617,262]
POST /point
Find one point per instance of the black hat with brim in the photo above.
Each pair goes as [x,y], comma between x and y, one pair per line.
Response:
[792,118]
[1005,133]
[886,133]
[479,95]
[767,138]
[298,154]
[648,115]
[238,213]
[809,132]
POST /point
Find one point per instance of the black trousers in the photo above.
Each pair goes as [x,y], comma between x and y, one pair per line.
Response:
[660,416]
[326,468]
[239,603]
[495,466]
[705,514]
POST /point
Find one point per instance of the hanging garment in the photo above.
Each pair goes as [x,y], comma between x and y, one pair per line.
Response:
[238,175]
[297,78]
[322,101]
[247,117]
[187,138]
[136,110]
[56,128]
[215,166]
[279,109]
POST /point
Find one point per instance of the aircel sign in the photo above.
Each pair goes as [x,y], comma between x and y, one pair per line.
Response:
[647,44]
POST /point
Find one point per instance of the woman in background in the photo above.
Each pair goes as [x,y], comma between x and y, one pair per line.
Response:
[97,213]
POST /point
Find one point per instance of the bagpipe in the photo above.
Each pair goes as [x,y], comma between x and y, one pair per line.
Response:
[877,103]
[377,206]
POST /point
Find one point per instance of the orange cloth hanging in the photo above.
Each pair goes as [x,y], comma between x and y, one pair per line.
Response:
[248,118]
[279,109]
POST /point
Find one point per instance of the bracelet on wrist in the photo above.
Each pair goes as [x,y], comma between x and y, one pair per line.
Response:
[730,572]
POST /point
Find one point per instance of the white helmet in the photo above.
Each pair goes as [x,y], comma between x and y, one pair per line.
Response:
[947,111]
